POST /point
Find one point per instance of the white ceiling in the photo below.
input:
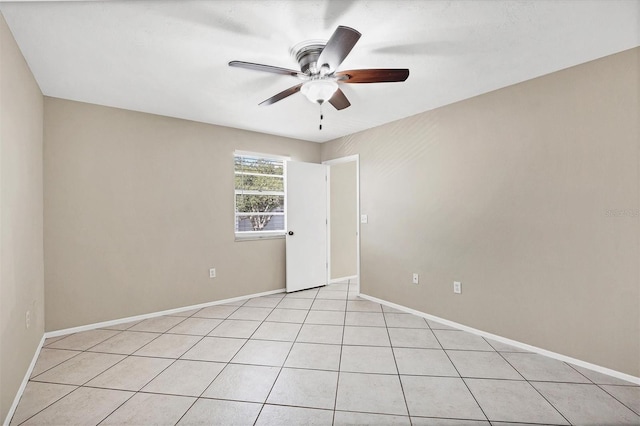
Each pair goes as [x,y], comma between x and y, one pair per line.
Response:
[170,57]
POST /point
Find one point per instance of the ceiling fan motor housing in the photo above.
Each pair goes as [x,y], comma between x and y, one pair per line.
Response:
[307,53]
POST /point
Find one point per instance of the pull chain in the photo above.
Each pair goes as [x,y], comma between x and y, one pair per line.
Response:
[321,116]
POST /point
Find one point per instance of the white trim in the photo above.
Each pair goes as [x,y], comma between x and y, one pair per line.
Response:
[340,279]
[357,156]
[347,159]
[327,217]
[255,236]
[257,192]
[154,314]
[23,385]
[258,174]
[253,154]
[554,355]
[284,186]
[260,214]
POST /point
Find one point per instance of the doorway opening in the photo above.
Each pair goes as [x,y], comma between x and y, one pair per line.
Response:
[343,203]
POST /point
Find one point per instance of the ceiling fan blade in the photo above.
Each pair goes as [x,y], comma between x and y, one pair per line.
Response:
[338,47]
[266,68]
[373,75]
[290,91]
[339,100]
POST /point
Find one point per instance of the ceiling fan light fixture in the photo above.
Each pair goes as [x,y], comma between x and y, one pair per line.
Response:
[319,91]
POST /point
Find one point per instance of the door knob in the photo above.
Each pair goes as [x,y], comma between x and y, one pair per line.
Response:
[290,232]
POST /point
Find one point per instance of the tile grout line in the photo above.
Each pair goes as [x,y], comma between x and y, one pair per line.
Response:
[54,366]
[603,389]
[119,332]
[614,397]
[344,326]
[239,349]
[506,360]
[44,408]
[285,359]
[163,370]
[536,389]
[175,360]
[77,386]
[324,369]
[179,357]
[461,378]
[202,338]
[395,361]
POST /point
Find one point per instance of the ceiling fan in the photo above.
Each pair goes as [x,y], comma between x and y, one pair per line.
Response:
[318,70]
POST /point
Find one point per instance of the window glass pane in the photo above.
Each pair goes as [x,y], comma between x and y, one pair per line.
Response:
[259,222]
[265,166]
[259,203]
[259,183]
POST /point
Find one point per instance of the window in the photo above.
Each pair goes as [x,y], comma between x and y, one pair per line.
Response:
[259,195]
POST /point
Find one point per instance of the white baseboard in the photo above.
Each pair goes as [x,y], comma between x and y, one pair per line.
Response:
[102,324]
[155,314]
[554,355]
[23,385]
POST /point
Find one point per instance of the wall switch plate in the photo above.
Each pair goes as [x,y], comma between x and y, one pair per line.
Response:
[27,319]
[212,273]
[416,278]
[457,287]
[364,218]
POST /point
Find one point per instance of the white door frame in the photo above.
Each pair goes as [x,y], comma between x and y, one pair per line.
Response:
[335,161]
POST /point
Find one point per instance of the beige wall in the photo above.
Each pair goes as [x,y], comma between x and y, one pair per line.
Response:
[138,207]
[508,193]
[21,256]
[343,220]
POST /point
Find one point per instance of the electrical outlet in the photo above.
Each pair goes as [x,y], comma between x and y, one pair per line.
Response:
[364,218]
[457,287]
[212,273]
[27,319]
[416,278]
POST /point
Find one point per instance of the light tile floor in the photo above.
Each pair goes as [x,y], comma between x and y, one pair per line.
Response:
[320,356]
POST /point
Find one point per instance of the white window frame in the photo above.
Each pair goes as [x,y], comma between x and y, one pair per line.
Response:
[259,235]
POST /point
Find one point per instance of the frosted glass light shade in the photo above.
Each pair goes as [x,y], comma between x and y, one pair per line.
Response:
[319,91]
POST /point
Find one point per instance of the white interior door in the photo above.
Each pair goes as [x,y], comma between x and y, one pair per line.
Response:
[306,211]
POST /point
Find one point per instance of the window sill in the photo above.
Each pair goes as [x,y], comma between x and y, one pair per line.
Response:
[259,236]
